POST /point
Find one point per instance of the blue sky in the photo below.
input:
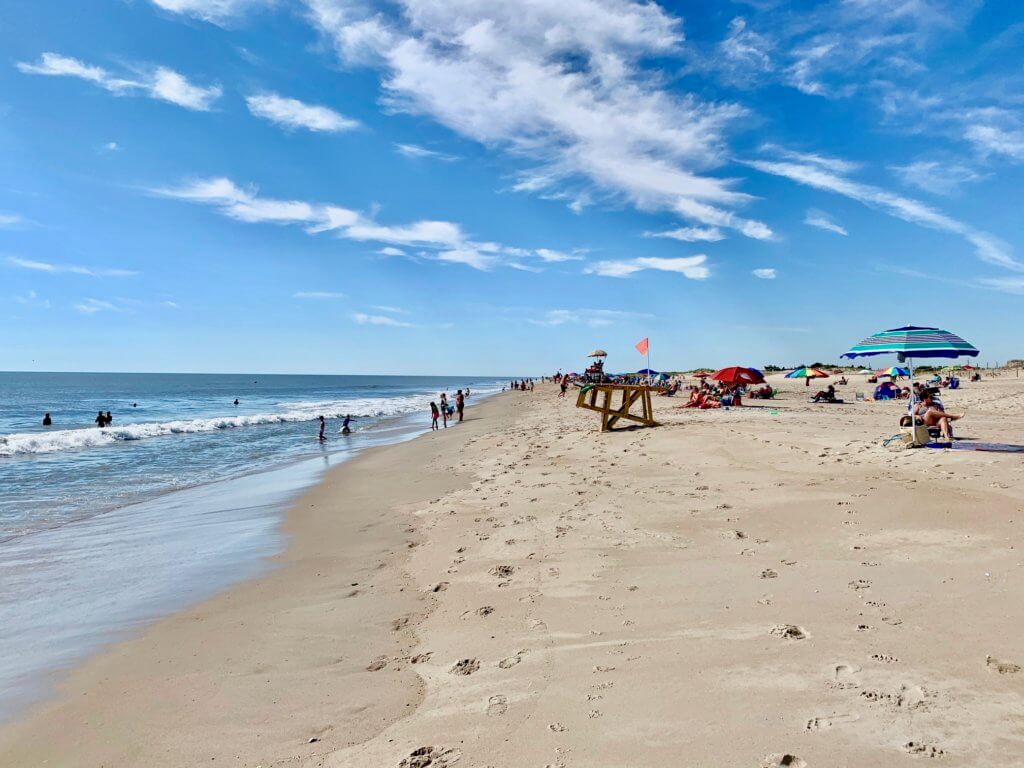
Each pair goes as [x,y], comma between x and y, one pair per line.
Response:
[460,186]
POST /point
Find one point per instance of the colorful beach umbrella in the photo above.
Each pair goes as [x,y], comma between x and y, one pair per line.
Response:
[893,372]
[913,341]
[807,373]
[737,375]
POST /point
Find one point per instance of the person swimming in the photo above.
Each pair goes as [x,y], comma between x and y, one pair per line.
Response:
[47,421]
[236,401]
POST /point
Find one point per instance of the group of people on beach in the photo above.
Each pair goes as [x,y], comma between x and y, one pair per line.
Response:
[447,410]
[522,385]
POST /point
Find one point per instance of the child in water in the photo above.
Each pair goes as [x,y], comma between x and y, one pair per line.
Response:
[435,414]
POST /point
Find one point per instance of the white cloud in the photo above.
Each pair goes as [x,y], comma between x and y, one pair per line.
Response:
[991,140]
[691,234]
[364,319]
[561,85]
[446,240]
[216,11]
[693,267]
[32,299]
[986,247]
[169,304]
[292,113]
[765,273]
[318,295]
[45,266]
[9,219]
[822,220]
[416,151]
[390,310]
[160,83]
[111,146]
[595,318]
[91,306]
[939,178]
[551,256]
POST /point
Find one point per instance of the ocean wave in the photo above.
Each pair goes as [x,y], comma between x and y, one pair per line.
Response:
[93,437]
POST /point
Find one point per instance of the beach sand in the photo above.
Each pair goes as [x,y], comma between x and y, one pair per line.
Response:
[765,586]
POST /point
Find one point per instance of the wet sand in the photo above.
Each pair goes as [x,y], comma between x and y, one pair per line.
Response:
[741,588]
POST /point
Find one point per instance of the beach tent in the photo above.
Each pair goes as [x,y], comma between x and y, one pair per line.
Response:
[913,341]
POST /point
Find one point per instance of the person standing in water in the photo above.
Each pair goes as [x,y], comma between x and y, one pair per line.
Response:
[109,419]
[444,409]
[345,428]
[434,415]
[101,420]
[323,426]
[47,421]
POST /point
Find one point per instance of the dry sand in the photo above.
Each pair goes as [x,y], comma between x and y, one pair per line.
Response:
[741,588]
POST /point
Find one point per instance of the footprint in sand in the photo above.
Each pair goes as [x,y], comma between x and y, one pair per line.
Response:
[919,749]
[789,632]
[377,664]
[822,723]
[783,761]
[858,584]
[557,727]
[768,573]
[844,676]
[497,705]
[511,661]
[422,658]
[884,658]
[435,757]
[465,667]
[1002,667]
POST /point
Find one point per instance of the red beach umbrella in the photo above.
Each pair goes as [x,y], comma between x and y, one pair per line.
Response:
[738,375]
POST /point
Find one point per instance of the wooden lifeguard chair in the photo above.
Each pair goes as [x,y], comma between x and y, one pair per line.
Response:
[599,397]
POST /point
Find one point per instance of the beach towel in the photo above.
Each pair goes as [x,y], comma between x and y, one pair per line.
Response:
[990,447]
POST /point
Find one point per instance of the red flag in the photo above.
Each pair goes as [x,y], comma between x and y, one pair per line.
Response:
[642,346]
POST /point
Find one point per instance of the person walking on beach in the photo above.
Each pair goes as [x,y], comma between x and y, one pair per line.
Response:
[434,414]
[47,421]
[101,420]
[444,409]
[563,385]
[460,403]
[323,426]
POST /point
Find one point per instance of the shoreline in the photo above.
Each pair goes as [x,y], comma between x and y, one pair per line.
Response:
[368,564]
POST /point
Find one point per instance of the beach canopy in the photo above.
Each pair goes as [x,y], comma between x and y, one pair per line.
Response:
[894,371]
[737,375]
[598,353]
[913,341]
[807,373]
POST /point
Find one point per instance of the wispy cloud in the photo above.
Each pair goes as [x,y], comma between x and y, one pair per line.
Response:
[390,310]
[595,318]
[692,267]
[551,256]
[215,11]
[765,273]
[986,247]
[44,266]
[939,178]
[992,140]
[416,151]
[160,83]
[318,295]
[292,113]
[564,86]
[364,319]
[111,146]
[445,240]
[32,299]
[691,234]
[10,219]
[822,220]
[92,306]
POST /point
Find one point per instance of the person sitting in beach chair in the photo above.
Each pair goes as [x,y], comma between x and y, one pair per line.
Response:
[671,391]
[827,395]
[931,413]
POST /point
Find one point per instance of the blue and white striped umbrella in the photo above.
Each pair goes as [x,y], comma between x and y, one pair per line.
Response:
[913,341]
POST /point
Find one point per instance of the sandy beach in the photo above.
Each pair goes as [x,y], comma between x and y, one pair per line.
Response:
[764,586]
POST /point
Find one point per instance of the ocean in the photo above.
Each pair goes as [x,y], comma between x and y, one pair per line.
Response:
[104,529]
